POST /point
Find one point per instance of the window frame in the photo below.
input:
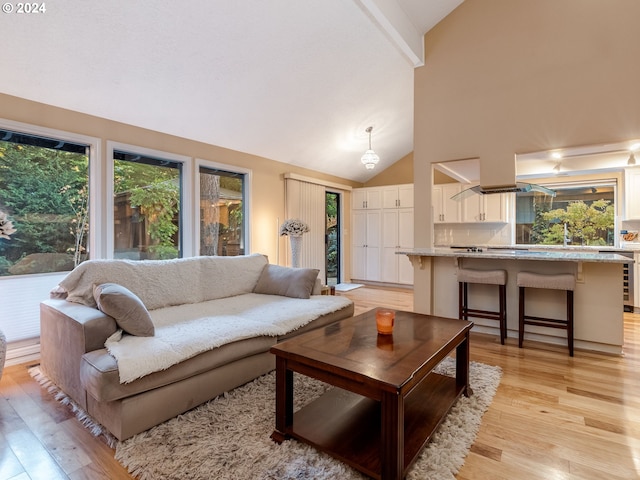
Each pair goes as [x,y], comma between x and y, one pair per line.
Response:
[24,292]
[248,178]
[95,186]
[186,203]
[579,182]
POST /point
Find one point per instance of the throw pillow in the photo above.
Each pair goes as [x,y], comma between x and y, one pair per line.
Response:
[288,282]
[125,307]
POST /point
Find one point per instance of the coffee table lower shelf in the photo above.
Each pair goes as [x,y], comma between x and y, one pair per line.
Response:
[347,426]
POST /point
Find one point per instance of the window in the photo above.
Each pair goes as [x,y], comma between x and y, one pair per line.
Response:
[147,206]
[222,212]
[45,195]
[580,214]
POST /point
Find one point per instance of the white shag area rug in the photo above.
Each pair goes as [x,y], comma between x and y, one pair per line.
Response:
[229,437]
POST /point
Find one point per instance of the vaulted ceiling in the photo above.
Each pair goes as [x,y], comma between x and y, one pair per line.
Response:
[296,81]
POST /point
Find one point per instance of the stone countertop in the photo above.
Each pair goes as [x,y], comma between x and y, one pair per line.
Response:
[506,253]
[624,247]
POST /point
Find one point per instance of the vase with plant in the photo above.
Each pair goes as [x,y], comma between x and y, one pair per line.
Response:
[294,229]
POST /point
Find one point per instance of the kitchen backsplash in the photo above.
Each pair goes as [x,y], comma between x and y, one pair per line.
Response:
[445,234]
[471,234]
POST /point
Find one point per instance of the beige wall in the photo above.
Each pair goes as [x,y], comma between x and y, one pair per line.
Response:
[267,195]
[514,76]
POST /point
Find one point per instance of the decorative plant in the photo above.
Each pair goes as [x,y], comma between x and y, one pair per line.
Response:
[293,227]
[587,224]
[6,226]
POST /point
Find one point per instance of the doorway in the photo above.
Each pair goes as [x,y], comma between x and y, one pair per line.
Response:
[333,254]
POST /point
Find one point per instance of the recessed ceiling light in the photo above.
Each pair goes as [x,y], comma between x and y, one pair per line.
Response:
[556,155]
[634,147]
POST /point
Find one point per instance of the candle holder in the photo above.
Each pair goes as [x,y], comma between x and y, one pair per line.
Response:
[385,320]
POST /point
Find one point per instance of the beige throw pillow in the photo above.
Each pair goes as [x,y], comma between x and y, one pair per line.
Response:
[125,307]
[288,282]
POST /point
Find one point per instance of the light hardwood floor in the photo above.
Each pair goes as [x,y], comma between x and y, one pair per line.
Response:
[553,417]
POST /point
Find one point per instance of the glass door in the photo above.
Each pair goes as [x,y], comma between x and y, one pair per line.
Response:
[332,238]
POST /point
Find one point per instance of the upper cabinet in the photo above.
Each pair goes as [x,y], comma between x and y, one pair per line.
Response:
[391,196]
[632,193]
[397,196]
[485,208]
[445,210]
[471,208]
[366,198]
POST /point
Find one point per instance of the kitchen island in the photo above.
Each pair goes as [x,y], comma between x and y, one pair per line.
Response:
[598,309]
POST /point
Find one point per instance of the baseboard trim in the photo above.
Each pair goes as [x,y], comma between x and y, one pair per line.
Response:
[22,354]
[369,283]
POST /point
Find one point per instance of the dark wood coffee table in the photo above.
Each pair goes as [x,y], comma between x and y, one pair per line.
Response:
[389,402]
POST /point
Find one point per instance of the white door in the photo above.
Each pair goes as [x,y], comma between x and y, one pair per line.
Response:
[358,242]
[390,243]
[373,230]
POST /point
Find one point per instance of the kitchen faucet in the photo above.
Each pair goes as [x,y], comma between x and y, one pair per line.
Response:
[566,237]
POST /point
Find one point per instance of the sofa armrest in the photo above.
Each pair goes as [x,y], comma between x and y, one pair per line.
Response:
[68,331]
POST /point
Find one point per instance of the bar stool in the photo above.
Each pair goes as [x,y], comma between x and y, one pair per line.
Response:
[487,277]
[562,281]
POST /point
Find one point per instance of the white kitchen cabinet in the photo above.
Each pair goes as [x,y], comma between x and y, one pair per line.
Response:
[446,210]
[632,193]
[397,196]
[382,223]
[397,234]
[366,198]
[365,245]
[485,208]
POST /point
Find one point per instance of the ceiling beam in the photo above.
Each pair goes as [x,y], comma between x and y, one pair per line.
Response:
[396,24]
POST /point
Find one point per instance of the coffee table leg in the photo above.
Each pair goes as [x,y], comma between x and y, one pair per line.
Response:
[392,436]
[284,400]
[462,366]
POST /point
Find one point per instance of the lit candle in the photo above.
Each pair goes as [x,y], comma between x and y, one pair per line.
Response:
[384,321]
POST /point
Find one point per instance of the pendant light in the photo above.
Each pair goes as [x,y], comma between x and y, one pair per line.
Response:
[370,159]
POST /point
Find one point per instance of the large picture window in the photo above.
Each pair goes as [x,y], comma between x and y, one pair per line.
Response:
[580,214]
[44,195]
[147,207]
[222,212]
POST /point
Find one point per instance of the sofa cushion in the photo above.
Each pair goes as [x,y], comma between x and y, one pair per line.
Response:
[125,307]
[287,282]
[99,370]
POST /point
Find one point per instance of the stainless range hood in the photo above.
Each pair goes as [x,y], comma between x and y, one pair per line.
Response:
[468,171]
[518,187]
